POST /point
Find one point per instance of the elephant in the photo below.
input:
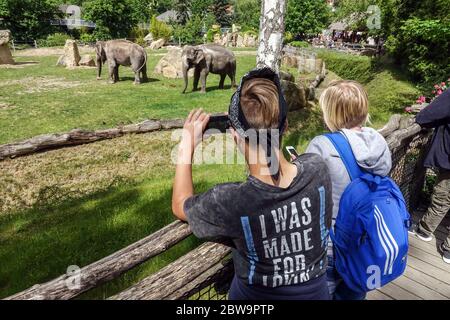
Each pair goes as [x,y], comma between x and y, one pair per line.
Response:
[121,52]
[205,59]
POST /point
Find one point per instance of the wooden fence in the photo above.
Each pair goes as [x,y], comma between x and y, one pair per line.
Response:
[205,272]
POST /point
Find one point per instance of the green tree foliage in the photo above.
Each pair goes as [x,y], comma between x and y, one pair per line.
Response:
[307,16]
[160,30]
[114,18]
[417,33]
[29,19]
[248,13]
[423,47]
[220,10]
[191,32]
[183,9]
[200,7]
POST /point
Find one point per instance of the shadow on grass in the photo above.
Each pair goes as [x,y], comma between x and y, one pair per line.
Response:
[38,245]
[126,78]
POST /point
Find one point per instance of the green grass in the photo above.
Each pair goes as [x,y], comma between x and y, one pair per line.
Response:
[95,104]
[38,244]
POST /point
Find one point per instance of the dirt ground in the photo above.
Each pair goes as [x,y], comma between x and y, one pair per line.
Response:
[41,84]
[40,52]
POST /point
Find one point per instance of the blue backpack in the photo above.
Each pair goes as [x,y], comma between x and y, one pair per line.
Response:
[370,237]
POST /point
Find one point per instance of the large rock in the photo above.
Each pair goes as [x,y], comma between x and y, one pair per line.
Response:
[170,65]
[290,61]
[240,41]
[5,52]
[87,61]
[251,41]
[148,39]
[310,65]
[71,56]
[296,96]
[158,44]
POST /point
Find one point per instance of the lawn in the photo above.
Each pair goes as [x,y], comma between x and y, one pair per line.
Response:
[43,98]
[76,205]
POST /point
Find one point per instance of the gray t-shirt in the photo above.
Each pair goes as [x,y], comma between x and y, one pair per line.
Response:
[278,235]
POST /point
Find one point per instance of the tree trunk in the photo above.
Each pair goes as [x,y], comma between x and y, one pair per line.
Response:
[271,33]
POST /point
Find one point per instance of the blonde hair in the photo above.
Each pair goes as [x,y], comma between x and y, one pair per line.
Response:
[344,104]
[260,103]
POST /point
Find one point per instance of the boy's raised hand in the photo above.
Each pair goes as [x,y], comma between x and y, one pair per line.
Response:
[193,129]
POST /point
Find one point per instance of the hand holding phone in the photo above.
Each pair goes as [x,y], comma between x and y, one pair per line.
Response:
[292,152]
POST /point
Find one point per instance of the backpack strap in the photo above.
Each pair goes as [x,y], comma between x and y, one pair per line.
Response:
[342,146]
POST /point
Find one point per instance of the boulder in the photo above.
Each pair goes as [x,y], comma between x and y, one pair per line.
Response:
[251,41]
[290,61]
[87,61]
[170,65]
[148,39]
[217,38]
[310,65]
[296,96]
[158,44]
[71,56]
[240,41]
[5,52]
[287,76]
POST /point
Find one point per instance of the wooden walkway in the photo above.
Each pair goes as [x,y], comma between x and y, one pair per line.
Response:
[427,277]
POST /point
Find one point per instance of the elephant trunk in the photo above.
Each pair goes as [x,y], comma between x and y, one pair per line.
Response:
[185,75]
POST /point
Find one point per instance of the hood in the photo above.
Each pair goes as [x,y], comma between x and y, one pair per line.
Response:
[371,150]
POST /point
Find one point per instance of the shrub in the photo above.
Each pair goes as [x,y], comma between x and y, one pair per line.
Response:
[288,37]
[351,67]
[54,40]
[299,44]
[210,35]
[87,37]
[159,30]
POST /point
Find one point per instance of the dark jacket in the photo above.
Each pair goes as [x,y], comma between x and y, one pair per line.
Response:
[437,115]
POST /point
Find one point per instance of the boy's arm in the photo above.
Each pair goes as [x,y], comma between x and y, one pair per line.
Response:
[183,187]
[437,113]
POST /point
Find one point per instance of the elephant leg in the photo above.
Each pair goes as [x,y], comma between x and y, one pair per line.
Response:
[144,73]
[203,76]
[232,76]
[112,72]
[197,72]
[137,79]
[222,80]
[116,73]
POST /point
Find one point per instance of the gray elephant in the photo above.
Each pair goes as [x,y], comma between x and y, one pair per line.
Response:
[124,53]
[205,59]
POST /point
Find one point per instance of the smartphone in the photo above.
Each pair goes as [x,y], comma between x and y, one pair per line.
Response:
[292,152]
[218,122]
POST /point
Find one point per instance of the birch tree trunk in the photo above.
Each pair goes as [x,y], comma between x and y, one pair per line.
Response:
[271,33]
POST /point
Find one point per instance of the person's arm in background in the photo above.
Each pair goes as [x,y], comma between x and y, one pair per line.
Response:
[183,187]
[437,113]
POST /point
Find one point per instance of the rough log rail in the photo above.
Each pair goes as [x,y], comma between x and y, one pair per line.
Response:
[110,267]
[79,136]
[192,271]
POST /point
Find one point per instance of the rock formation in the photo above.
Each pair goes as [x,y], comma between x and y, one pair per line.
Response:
[170,65]
[5,52]
[71,56]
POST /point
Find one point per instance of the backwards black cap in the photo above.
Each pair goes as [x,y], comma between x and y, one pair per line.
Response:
[237,117]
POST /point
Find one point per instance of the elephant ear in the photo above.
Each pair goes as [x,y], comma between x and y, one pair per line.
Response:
[100,50]
[199,56]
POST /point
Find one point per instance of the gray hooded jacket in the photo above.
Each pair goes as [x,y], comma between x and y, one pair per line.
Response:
[371,152]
